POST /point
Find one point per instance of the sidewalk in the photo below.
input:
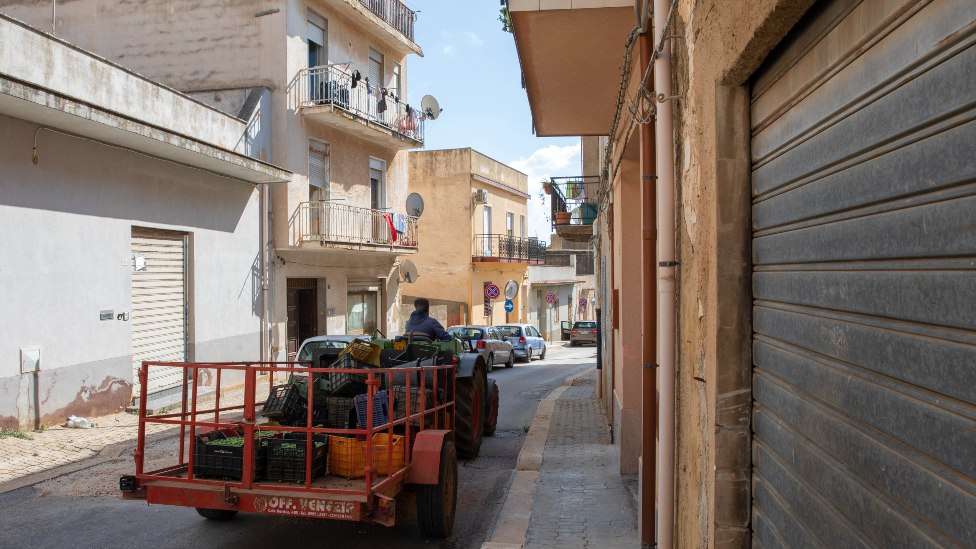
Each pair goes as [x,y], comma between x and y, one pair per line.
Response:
[567,493]
[56,450]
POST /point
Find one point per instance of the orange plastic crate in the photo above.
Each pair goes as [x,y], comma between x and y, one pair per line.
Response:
[380,444]
[347,457]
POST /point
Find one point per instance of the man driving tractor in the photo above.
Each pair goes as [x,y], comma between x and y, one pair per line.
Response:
[421,321]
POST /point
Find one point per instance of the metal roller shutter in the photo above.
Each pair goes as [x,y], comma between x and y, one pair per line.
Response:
[864,188]
[159,311]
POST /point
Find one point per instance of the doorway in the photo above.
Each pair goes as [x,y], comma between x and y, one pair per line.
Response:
[361,313]
[302,313]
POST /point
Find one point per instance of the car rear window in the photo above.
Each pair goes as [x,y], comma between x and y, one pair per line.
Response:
[467,333]
[510,331]
[586,325]
[314,345]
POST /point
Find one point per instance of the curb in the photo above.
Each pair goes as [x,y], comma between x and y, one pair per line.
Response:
[108,453]
[513,521]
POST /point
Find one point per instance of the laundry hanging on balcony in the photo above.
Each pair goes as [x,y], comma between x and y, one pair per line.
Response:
[389,221]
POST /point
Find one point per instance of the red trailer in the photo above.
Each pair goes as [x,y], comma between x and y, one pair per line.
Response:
[429,458]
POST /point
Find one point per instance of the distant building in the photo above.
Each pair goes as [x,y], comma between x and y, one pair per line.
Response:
[475,234]
[568,275]
[130,221]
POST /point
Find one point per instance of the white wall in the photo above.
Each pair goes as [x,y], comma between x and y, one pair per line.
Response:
[66,225]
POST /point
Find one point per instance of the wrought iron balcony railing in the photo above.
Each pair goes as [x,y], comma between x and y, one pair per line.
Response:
[508,249]
[331,85]
[574,200]
[330,222]
[395,13]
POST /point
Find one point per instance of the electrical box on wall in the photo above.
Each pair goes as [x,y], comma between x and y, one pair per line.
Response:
[30,360]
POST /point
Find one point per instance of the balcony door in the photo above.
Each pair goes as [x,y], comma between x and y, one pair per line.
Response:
[377,201]
[486,231]
[375,74]
[318,188]
[316,35]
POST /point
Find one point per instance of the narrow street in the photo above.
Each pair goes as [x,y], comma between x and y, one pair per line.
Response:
[81,510]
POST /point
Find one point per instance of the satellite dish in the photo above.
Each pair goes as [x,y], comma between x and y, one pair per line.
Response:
[430,106]
[408,271]
[511,289]
[415,205]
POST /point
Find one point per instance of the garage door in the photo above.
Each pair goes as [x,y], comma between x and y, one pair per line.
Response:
[159,309]
[864,187]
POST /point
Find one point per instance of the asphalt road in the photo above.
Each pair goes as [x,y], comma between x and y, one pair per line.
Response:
[57,522]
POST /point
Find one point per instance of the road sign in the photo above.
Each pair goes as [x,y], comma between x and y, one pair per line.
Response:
[492,291]
[511,289]
[509,306]
[582,302]
[550,297]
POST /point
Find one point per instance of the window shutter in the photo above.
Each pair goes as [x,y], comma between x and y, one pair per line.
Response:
[314,33]
[318,167]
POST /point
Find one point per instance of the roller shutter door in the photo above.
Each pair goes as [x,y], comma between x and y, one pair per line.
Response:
[159,308]
[864,252]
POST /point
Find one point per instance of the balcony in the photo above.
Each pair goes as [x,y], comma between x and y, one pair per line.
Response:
[395,14]
[349,227]
[328,96]
[499,248]
[575,205]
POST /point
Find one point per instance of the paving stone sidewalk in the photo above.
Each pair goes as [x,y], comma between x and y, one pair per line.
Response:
[581,501]
[61,446]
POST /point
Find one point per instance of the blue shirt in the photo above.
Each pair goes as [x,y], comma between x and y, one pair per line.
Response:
[421,322]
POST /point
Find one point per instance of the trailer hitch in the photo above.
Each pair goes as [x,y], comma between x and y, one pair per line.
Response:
[383,511]
[230,500]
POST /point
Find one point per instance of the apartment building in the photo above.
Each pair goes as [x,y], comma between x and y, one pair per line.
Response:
[568,274]
[477,235]
[131,232]
[785,237]
[331,78]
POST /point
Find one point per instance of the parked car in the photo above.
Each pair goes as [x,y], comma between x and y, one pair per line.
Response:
[526,340]
[582,332]
[489,342]
[324,342]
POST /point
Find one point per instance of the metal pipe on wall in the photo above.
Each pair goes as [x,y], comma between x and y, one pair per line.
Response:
[263,252]
[666,271]
[649,390]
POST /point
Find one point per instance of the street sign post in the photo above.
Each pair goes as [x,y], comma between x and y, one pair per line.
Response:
[509,306]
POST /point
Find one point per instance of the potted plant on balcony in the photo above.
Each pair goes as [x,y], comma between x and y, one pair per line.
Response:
[547,186]
[562,218]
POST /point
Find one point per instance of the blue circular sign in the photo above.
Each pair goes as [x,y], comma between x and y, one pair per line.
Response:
[492,291]
[550,297]
[509,306]
[583,302]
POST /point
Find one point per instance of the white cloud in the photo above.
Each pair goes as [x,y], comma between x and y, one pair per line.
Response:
[551,161]
[448,50]
[449,37]
[472,38]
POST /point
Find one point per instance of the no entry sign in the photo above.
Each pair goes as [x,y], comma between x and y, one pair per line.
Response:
[550,297]
[492,291]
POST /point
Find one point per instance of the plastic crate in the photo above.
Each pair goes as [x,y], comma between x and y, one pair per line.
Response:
[287,457]
[283,403]
[338,412]
[381,409]
[400,404]
[225,461]
[348,384]
[320,388]
[347,457]
[380,445]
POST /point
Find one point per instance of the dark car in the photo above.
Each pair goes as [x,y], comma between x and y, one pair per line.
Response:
[526,340]
[584,331]
[489,342]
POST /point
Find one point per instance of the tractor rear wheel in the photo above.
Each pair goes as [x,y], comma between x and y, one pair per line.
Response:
[216,514]
[436,503]
[491,408]
[469,401]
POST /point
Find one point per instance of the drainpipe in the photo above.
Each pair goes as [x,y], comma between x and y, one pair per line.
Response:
[263,251]
[666,269]
[649,396]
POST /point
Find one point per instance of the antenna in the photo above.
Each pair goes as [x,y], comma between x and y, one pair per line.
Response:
[408,271]
[415,205]
[430,106]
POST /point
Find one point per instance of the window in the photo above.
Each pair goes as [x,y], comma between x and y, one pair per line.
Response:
[375,71]
[510,224]
[396,85]
[466,333]
[486,231]
[318,171]
[377,184]
[522,220]
[316,34]
[493,334]
[511,331]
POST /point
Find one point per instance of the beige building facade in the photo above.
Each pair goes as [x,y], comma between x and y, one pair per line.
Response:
[476,227]
[773,198]
[317,67]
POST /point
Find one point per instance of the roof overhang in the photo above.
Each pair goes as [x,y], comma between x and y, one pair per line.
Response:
[571,52]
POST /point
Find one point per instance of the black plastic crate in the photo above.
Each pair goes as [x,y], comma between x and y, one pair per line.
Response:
[283,403]
[320,388]
[340,409]
[225,461]
[381,409]
[348,384]
[287,457]
[400,404]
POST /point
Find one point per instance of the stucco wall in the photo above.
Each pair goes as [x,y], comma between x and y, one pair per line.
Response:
[67,225]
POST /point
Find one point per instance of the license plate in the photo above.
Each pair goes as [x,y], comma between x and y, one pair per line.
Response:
[584,333]
[400,345]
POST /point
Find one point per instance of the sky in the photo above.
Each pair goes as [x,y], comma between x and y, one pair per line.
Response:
[471,66]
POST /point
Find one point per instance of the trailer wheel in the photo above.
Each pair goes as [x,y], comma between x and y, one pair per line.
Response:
[216,514]
[491,408]
[470,412]
[436,503]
